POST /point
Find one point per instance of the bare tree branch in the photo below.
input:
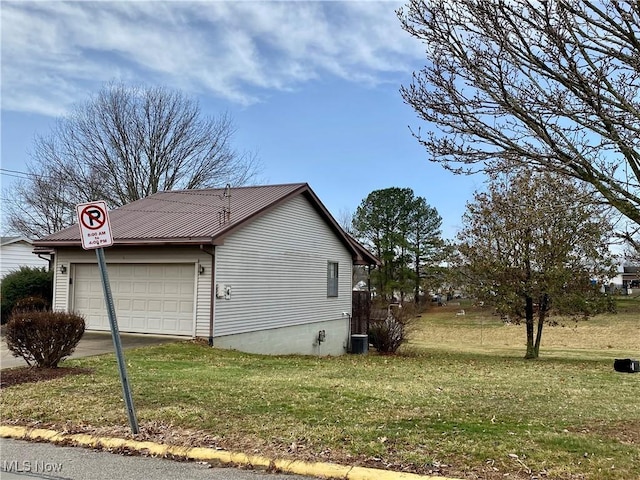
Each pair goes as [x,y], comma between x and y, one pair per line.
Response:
[123,144]
[551,85]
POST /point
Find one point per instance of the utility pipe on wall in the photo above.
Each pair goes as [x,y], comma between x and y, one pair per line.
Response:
[347,314]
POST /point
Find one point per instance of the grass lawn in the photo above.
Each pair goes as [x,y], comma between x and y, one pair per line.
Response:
[459,400]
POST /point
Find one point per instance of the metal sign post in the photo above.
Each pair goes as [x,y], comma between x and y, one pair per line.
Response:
[95,231]
[115,334]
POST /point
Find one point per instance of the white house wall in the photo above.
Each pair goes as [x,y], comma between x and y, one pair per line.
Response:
[70,257]
[19,254]
[276,271]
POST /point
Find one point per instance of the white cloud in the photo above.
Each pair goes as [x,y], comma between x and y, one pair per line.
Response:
[55,53]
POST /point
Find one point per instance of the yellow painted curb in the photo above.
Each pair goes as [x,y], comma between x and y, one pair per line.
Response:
[317,469]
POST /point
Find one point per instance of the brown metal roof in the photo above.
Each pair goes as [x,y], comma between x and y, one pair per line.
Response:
[198,217]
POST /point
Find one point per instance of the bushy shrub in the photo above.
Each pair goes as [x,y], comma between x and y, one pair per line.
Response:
[43,339]
[26,282]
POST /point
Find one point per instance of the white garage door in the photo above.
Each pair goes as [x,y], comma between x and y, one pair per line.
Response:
[148,298]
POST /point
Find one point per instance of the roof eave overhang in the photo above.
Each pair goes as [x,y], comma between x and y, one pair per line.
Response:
[364,263]
[367,260]
[13,240]
[135,242]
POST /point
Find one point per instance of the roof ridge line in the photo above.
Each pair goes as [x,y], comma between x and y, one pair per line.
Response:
[207,189]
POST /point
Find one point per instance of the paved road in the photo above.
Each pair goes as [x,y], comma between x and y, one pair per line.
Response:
[20,460]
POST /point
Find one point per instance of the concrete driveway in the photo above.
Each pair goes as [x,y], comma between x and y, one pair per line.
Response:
[92,343]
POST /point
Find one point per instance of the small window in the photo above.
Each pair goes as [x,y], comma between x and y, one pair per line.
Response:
[332,279]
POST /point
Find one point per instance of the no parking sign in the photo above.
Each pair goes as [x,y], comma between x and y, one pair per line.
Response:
[95,228]
[95,232]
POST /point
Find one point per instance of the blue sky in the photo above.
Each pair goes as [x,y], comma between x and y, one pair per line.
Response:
[313,87]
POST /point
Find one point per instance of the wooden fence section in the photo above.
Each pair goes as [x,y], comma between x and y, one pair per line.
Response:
[361,313]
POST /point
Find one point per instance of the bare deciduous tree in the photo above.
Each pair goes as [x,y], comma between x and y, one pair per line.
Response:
[41,205]
[345,220]
[124,144]
[552,85]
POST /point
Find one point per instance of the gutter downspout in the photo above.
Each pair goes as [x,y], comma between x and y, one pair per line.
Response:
[212,293]
[48,260]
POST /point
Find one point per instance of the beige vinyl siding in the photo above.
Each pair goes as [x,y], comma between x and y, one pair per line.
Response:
[61,285]
[203,295]
[117,255]
[276,268]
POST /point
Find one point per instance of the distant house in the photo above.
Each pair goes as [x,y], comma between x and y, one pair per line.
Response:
[16,252]
[628,280]
[261,269]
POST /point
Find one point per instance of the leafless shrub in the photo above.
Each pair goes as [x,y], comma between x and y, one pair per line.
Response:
[32,303]
[388,333]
